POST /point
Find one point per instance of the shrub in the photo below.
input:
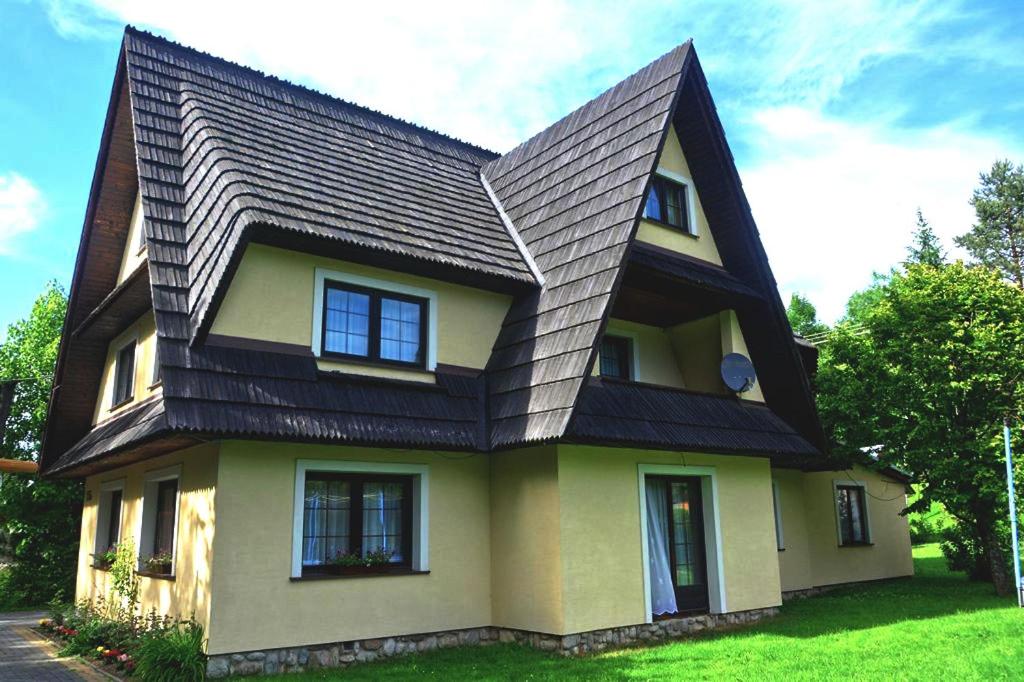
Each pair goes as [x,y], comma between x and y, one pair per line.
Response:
[172,655]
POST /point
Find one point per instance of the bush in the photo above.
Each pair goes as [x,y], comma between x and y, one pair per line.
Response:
[964,553]
[172,655]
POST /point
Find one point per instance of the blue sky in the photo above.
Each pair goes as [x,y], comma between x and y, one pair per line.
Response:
[844,117]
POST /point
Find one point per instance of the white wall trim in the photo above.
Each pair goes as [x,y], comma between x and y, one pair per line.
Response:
[835,505]
[513,232]
[322,275]
[691,196]
[420,502]
[712,530]
[147,521]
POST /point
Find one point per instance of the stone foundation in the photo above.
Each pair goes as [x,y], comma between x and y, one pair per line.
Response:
[344,654]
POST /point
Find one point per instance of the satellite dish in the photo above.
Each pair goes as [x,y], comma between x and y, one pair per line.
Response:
[738,372]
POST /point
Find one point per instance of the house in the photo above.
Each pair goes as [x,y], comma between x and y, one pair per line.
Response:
[356,388]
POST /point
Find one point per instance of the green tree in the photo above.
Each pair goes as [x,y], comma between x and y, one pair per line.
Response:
[803,316]
[925,249]
[997,239]
[929,373]
[40,517]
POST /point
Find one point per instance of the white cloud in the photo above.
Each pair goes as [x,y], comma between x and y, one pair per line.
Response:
[836,200]
[22,207]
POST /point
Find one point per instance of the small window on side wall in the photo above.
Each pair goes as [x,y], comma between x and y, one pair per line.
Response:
[124,375]
[668,203]
[374,325]
[852,514]
[616,357]
[108,524]
[777,507]
[159,523]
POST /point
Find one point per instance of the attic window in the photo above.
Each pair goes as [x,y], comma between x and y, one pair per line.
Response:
[370,324]
[124,375]
[668,202]
[616,353]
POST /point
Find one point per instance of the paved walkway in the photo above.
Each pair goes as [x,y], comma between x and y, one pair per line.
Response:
[25,656]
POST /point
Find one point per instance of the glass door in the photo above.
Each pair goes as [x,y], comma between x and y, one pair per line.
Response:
[675,540]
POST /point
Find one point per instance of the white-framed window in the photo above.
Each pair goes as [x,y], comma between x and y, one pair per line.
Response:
[853,525]
[108,519]
[124,374]
[359,517]
[671,201]
[777,508]
[158,540]
[372,320]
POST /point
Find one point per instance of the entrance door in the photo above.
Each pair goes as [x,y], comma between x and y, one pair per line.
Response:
[678,565]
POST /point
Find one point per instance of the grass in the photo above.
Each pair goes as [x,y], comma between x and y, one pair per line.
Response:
[936,625]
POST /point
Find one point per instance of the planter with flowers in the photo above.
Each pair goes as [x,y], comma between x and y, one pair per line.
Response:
[105,559]
[354,563]
[159,563]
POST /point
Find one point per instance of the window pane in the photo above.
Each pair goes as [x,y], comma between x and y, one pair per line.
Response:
[652,209]
[114,523]
[347,323]
[124,374]
[326,520]
[166,499]
[400,330]
[614,357]
[856,518]
[382,519]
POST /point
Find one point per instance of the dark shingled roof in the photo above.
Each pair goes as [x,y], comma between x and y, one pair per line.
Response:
[574,193]
[226,155]
[641,415]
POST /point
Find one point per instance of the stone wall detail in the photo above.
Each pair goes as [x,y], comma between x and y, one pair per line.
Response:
[344,654]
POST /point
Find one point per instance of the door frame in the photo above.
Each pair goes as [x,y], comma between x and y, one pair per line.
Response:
[712,530]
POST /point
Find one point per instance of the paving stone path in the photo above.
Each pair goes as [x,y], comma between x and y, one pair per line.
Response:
[27,657]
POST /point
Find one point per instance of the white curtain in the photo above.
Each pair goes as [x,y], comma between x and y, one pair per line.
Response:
[663,594]
[382,519]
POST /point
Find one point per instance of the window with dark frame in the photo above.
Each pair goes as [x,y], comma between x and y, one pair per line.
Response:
[374,325]
[124,375]
[114,519]
[853,518]
[166,507]
[616,357]
[667,203]
[347,517]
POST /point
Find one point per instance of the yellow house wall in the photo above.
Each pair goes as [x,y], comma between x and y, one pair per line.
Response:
[697,347]
[135,247]
[601,538]
[143,331]
[257,606]
[190,592]
[656,360]
[271,298]
[733,342]
[702,245]
[810,529]
[526,566]
[795,559]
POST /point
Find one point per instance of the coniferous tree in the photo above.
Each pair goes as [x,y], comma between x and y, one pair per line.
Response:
[997,239]
[925,249]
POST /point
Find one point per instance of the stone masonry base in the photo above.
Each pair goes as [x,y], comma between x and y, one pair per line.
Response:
[344,654]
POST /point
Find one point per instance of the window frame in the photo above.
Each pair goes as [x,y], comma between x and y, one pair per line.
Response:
[838,485]
[780,543]
[356,530]
[147,531]
[375,323]
[428,325]
[626,359]
[117,401]
[104,513]
[418,505]
[666,176]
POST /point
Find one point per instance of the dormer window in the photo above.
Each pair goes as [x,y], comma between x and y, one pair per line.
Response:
[616,357]
[361,323]
[124,375]
[669,203]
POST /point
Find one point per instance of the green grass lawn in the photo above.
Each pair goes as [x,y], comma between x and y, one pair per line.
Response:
[936,625]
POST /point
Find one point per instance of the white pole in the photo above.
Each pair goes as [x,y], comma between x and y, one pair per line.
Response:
[1013,514]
